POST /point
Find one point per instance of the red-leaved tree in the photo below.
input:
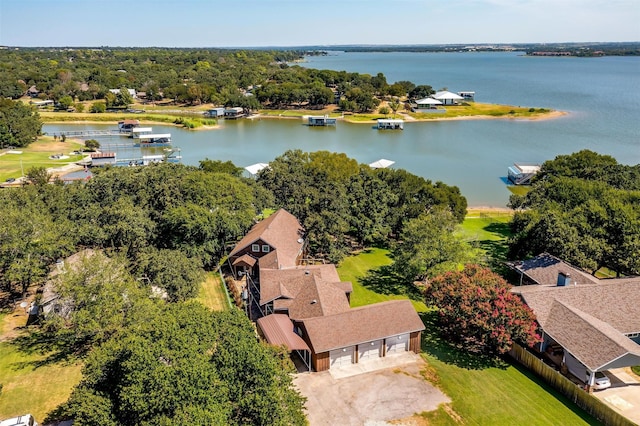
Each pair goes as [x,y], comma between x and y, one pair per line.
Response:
[477,310]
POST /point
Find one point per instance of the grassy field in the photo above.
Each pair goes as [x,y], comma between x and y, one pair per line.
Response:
[212,294]
[488,230]
[482,109]
[31,382]
[37,155]
[372,282]
[483,392]
[29,386]
[494,393]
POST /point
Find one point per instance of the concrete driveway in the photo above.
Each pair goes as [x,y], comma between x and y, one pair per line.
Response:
[355,396]
[623,395]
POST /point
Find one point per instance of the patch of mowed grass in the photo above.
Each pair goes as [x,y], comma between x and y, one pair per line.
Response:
[29,387]
[484,391]
[488,231]
[212,294]
[372,265]
[37,155]
[483,109]
[490,391]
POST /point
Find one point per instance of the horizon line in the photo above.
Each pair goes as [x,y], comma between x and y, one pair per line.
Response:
[328,45]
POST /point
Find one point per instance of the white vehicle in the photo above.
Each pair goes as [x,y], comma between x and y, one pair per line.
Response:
[602,381]
[581,372]
[25,420]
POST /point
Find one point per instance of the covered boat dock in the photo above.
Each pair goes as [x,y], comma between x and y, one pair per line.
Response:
[390,124]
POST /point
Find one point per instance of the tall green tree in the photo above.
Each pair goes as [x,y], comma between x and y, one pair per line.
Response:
[97,297]
[584,208]
[428,247]
[185,364]
[19,123]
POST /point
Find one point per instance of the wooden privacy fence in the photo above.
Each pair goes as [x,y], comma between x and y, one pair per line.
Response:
[566,387]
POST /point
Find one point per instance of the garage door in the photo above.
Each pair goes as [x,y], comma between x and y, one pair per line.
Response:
[341,357]
[396,344]
[369,350]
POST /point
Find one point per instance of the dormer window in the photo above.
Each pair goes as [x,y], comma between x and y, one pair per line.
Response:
[265,248]
[255,248]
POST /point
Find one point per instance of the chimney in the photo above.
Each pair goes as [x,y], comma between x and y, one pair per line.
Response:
[564,279]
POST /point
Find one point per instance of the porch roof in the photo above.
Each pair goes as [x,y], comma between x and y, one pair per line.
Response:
[278,330]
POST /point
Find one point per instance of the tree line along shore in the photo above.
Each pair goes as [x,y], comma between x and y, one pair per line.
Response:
[186,81]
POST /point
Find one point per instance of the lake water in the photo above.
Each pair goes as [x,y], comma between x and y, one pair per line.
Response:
[602,96]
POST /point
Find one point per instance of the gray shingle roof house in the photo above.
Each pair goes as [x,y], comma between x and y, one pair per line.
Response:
[597,322]
[307,307]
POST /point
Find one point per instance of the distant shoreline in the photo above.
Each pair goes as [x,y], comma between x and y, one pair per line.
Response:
[542,117]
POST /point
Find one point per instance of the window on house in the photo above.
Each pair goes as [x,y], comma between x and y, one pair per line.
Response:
[255,247]
[265,248]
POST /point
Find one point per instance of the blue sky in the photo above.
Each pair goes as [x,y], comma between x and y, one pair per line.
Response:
[234,23]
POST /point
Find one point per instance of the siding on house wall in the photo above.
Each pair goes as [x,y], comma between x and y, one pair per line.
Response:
[321,361]
[414,341]
[257,254]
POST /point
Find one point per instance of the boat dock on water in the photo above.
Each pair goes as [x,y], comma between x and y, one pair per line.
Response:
[521,174]
[146,138]
[99,159]
[390,124]
[153,139]
[321,120]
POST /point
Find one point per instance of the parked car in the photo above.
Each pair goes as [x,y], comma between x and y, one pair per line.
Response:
[26,420]
[10,180]
[602,381]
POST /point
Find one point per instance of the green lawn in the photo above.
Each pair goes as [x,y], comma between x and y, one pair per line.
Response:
[482,109]
[29,387]
[37,155]
[488,230]
[483,392]
[212,294]
[356,268]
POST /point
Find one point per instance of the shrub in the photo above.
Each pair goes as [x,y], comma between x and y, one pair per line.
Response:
[98,107]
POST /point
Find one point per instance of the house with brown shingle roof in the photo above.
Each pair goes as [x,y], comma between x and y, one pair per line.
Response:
[307,308]
[277,240]
[596,322]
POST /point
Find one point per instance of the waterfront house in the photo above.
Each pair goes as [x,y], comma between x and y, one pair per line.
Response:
[427,103]
[588,325]
[306,307]
[447,98]
[278,237]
